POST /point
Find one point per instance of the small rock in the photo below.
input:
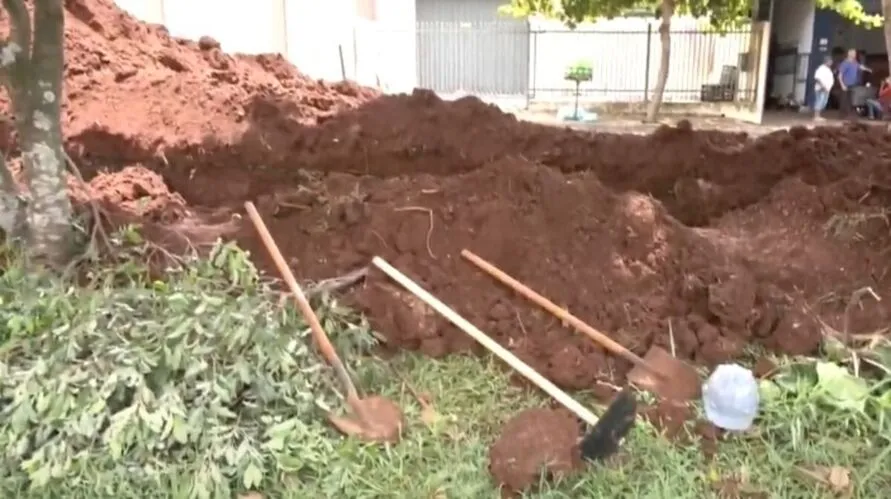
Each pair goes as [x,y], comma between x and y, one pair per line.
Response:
[208,43]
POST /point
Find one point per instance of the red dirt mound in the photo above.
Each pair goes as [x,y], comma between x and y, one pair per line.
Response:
[136,95]
[136,195]
[618,261]
[138,192]
[131,90]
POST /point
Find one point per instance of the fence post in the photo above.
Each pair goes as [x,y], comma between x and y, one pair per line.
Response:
[647,63]
[534,65]
[529,42]
[355,53]
[281,13]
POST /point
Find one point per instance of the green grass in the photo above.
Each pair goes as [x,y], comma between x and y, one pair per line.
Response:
[473,398]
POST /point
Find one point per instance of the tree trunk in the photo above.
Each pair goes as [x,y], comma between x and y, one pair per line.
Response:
[886,12]
[33,68]
[49,221]
[667,12]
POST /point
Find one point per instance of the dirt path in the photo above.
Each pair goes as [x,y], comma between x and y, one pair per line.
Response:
[773,122]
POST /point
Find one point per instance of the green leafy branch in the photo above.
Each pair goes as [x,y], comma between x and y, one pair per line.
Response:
[199,384]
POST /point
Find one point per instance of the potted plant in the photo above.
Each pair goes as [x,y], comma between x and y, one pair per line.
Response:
[579,72]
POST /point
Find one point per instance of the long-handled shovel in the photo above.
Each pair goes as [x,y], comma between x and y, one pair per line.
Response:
[607,432]
[377,419]
[658,371]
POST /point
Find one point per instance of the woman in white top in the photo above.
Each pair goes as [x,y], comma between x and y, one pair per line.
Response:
[824,79]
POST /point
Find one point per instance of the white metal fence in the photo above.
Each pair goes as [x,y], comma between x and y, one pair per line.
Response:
[626,63]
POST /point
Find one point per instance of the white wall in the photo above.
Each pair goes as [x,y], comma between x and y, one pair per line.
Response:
[255,30]
[793,25]
[387,47]
[150,11]
[618,50]
[316,31]
[311,33]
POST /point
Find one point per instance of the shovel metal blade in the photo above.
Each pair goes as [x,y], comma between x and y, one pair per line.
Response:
[374,419]
[666,376]
[604,439]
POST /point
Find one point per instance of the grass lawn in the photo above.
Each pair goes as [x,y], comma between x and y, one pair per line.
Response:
[473,397]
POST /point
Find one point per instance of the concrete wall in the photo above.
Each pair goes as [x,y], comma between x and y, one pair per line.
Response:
[317,32]
[261,28]
[387,47]
[376,37]
[151,11]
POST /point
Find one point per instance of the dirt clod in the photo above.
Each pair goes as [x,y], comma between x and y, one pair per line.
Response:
[676,422]
[532,442]
[668,418]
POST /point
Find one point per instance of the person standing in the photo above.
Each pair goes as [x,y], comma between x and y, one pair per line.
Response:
[849,79]
[823,82]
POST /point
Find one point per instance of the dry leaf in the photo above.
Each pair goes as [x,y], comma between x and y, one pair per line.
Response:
[836,478]
[428,414]
[839,479]
[250,495]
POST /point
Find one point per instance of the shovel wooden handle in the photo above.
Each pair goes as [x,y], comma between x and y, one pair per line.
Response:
[502,353]
[551,307]
[318,332]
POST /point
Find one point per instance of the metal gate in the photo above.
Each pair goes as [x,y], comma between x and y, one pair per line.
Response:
[466,46]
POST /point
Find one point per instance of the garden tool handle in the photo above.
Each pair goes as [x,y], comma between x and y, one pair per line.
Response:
[502,353]
[559,312]
[318,332]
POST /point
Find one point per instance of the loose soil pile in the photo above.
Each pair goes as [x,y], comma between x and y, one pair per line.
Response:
[693,240]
